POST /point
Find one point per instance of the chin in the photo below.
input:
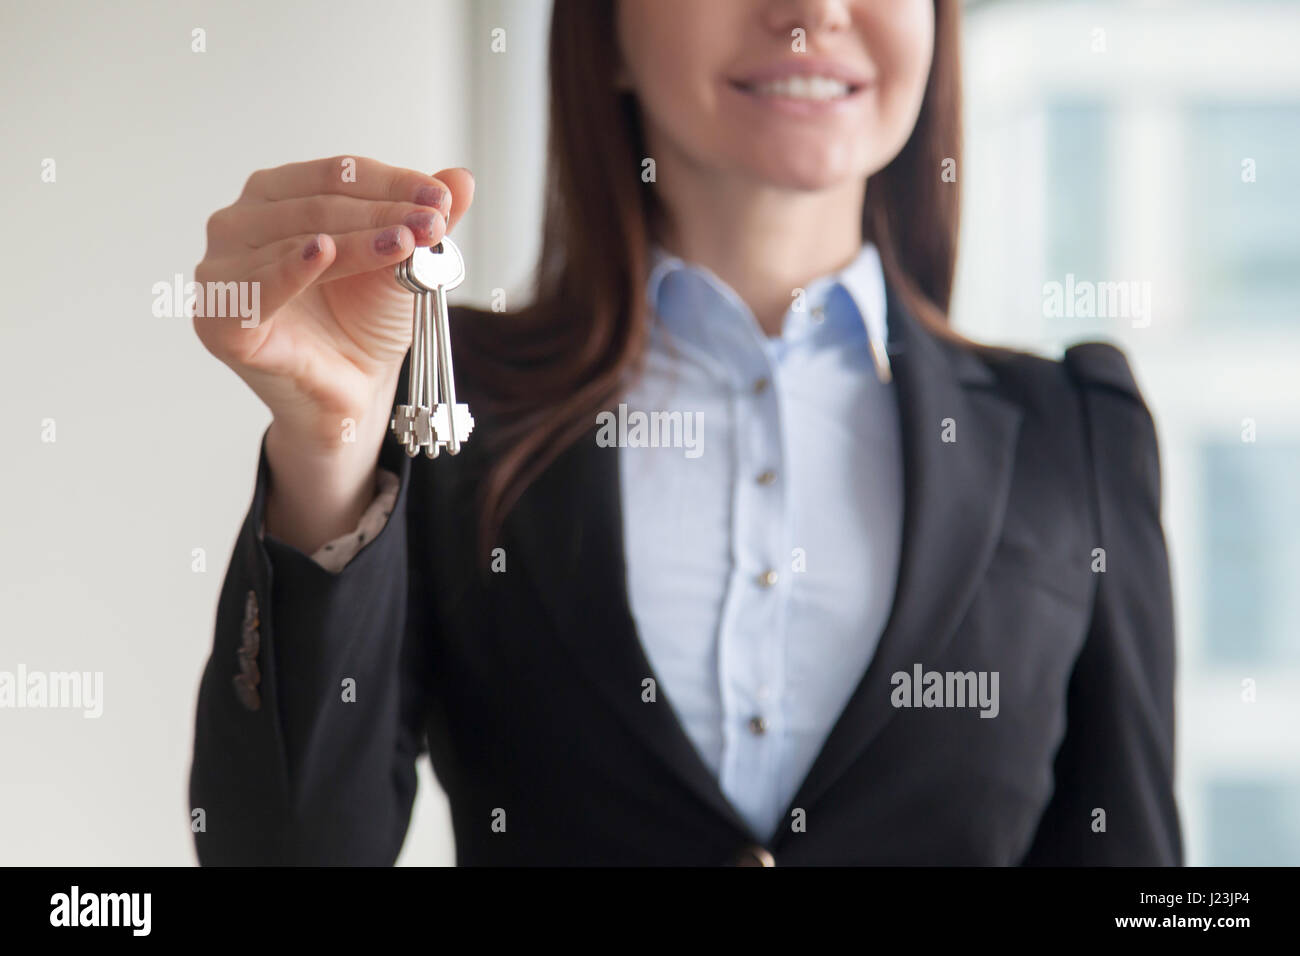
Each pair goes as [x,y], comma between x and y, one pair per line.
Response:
[802,170]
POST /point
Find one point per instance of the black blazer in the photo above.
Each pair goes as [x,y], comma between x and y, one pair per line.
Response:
[526,686]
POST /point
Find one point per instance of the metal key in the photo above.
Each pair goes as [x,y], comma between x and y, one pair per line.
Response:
[411,423]
[432,417]
[424,352]
[436,271]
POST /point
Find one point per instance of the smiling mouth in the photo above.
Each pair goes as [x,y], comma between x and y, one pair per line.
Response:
[801,87]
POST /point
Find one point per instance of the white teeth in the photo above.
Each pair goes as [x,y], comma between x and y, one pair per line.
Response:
[804,88]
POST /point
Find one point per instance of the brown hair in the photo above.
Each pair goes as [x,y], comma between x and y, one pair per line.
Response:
[552,366]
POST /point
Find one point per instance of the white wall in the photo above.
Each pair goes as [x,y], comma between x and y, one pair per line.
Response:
[156,442]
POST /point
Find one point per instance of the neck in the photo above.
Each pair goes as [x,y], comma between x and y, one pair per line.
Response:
[762,241]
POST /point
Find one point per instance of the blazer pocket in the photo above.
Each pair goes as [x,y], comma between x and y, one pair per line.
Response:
[1073,582]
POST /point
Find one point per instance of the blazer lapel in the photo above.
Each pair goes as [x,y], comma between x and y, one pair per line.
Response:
[955,496]
[568,527]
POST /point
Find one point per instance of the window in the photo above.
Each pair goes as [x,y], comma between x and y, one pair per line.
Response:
[1078,197]
[1244,242]
[1256,822]
[1252,559]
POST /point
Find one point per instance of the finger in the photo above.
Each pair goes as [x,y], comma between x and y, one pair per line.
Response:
[344,176]
[460,181]
[358,252]
[274,285]
[365,248]
[262,223]
[295,271]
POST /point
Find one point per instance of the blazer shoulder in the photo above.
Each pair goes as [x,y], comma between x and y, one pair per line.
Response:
[1124,437]
[1101,365]
[1090,366]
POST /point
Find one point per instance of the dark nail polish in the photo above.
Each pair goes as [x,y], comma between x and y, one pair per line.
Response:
[431,196]
[313,248]
[388,241]
[422,224]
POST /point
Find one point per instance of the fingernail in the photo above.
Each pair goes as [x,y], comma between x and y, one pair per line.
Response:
[313,248]
[422,224]
[431,196]
[388,241]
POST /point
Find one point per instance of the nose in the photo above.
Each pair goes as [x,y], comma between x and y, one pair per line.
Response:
[813,16]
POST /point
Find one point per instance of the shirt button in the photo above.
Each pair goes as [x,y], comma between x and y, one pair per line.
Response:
[754,856]
[767,578]
[767,477]
[760,385]
[758,725]
[819,314]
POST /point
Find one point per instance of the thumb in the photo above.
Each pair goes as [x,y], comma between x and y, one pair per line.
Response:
[460,183]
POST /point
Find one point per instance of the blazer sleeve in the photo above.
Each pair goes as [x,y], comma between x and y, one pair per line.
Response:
[1118,752]
[311,706]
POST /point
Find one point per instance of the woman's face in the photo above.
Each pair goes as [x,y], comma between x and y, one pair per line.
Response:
[794,94]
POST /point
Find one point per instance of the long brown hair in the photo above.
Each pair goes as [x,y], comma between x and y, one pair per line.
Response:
[552,366]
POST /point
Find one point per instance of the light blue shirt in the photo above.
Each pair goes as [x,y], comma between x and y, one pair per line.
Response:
[762,553]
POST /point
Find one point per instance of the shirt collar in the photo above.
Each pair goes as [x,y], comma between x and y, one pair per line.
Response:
[680,303]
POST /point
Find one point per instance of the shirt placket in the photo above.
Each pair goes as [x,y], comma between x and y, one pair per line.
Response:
[752,640]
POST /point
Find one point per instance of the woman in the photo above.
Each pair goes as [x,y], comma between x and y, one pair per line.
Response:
[899,599]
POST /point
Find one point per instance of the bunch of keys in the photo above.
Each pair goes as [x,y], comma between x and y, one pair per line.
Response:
[431,419]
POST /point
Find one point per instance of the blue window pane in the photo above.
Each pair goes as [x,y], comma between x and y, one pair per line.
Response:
[1243,238]
[1252,559]
[1254,823]
[1078,214]
[1077,201]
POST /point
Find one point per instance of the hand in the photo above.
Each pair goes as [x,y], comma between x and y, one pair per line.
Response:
[334,326]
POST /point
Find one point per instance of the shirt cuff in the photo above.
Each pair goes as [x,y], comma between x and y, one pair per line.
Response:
[334,555]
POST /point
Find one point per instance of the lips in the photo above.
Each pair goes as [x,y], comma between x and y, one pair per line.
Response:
[815,80]
[802,88]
